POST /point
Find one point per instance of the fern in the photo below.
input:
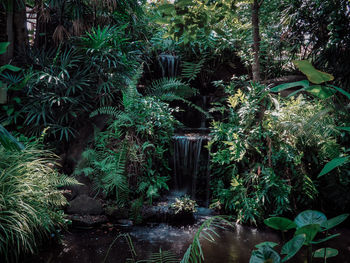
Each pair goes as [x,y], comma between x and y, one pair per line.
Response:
[108,110]
[162,257]
[169,89]
[190,70]
[64,180]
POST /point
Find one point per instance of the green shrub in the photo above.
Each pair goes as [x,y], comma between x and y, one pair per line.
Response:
[267,152]
[30,201]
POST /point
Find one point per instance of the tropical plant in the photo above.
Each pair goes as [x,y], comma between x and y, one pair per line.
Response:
[184,205]
[8,141]
[30,203]
[307,224]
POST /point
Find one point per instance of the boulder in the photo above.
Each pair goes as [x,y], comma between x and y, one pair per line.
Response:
[84,205]
[87,220]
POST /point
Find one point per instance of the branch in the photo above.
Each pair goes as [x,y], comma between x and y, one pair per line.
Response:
[260,3]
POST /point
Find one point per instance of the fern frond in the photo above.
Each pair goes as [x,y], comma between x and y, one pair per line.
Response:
[190,70]
[163,257]
[174,86]
[65,180]
[108,110]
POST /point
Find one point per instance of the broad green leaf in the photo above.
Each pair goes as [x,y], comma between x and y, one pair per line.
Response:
[325,239]
[330,223]
[280,223]
[332,165]
[309,217]
[313,75]
[310,232]
[265,254]
[347,94]
[267,243]
[302,83]
[293,246]
[322,92]
[328,252]
[3,47]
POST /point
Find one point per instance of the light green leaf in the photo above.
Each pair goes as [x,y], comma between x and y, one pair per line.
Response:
[9,67]
[322,92]
[293,246]
[328,252]
[344,128]
[310,232]
[280,223]
[332,165]
[313,75]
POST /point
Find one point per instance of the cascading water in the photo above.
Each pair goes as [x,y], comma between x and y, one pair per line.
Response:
[191,166]
[169,65]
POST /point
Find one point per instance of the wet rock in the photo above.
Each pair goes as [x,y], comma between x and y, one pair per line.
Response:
[84,205]
[125,223]
[87,220]
[116,213]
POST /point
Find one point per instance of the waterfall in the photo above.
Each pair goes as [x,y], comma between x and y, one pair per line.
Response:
[169,65]
[191,166]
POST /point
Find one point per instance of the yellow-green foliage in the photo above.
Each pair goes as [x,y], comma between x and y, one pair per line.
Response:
[29,200]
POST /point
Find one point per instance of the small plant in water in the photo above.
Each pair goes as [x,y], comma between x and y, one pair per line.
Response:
[184,204]
[307,224]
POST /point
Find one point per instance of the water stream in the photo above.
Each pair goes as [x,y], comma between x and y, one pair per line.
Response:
[169,65]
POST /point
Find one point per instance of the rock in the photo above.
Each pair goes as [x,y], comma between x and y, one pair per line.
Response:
[125,223]
[87,220]
[84,205]
[116,213]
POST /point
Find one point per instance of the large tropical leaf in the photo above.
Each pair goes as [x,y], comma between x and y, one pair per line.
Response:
[330,223]
[313,75]
[310,232]
[325,253]
[266,243]
[280,223]
[309,217]
[293,246]
[265,254]
[303,83]
[322,92]
[336,162]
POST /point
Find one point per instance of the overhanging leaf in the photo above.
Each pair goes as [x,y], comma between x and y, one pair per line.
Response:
[332,165]
[347,94]
[313,75]
[302,83]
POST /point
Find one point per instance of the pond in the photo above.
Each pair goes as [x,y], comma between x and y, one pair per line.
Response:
[233,246]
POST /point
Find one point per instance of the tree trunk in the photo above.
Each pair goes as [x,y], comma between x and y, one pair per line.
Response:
[256,41]
[21,41]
